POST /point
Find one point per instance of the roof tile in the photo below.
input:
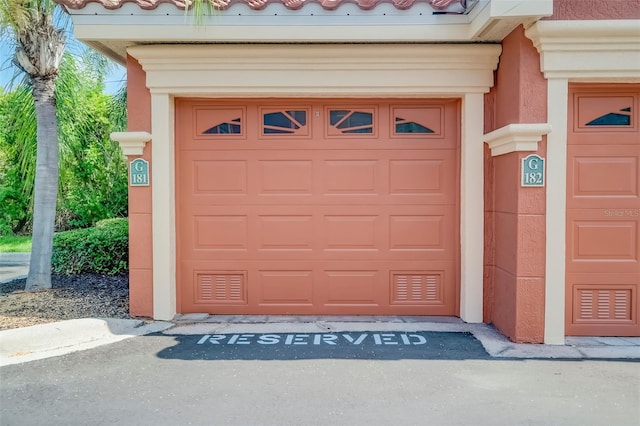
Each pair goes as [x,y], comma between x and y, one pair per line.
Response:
[255,4]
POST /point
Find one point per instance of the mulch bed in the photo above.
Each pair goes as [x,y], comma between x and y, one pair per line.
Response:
[72,297]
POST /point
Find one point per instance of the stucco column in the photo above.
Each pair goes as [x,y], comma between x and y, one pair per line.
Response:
[134,145]
[472,207]
[163,201]
[557,101]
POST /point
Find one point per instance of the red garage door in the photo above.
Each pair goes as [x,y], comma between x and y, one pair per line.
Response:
[603,211]
[317,207]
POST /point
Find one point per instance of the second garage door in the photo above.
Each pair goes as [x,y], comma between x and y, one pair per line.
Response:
[317,207]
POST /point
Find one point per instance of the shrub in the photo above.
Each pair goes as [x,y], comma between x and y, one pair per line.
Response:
[103,249]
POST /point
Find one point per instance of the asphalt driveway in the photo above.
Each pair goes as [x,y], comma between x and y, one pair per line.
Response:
[287,379]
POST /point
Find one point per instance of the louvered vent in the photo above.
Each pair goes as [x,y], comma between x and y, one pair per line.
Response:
[599,305]
[417,288]
[221,288]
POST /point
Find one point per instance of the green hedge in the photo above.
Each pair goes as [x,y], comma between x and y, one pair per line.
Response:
[103,249]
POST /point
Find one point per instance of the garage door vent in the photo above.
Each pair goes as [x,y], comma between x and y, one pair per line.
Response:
[417,288]
[607,304]
[221,288]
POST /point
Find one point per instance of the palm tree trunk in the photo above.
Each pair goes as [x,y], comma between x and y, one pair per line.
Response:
[46,184]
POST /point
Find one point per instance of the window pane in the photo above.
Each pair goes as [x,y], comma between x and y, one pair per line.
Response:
[336,115]
[278,119]
[357,119]
[224,128]
[350,122]
[299,116]
[412,127]
[613,119]
[285,122]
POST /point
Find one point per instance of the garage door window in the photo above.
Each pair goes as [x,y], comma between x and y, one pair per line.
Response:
[620,118]
[292,122]
[346,122]
[232,127]
[595,113]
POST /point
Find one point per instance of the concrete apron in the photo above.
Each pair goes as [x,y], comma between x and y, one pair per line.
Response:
[493,341]
[59,338]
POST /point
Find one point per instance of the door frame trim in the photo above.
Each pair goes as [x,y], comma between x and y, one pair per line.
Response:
[348,71]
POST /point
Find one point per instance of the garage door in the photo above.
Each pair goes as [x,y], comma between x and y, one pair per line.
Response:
[603,211]
[317,207]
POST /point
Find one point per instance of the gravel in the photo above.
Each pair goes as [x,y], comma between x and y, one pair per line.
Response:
[72,297]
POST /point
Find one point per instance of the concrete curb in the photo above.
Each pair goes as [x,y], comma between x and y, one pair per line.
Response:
[59,338]
[13,278]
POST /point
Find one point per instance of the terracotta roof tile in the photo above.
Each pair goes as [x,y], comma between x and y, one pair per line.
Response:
[255,4]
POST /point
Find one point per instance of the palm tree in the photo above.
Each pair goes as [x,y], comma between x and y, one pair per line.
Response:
[39,46]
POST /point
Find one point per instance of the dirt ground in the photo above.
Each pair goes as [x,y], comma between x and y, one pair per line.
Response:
[72,297]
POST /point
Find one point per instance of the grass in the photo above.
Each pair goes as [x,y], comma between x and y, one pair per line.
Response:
[14,244]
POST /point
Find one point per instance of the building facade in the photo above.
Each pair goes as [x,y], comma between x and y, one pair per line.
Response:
[474,158]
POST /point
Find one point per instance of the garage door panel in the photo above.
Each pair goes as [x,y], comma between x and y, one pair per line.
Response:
[601,240]
[286,287]
[353,177]
[280,212]
[607,175]
[303,232]
[349,287]
[253,287]
[234,180]
[220,232]
[603,303]
[347,232]
[603,212]
[288,232]
[283,177]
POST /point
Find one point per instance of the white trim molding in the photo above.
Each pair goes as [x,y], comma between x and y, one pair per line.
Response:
[471,202]
[163,207]
[516,137]
[574,51]
[317,71]
[131,143]
[595,51]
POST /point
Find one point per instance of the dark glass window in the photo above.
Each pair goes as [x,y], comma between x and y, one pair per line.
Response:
[351,121]
[283,122]
[404,126]
[613,119]
[226,128]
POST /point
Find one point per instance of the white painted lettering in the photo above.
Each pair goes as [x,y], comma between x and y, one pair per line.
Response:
[330,339]
[387,339]
[405,339]
[533,164]
[419,340]
[233,339]
[377,340]
[300,339]
[289,339]
[357,341]
[215,339]
[269,339]
[204,339]
[244,339]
